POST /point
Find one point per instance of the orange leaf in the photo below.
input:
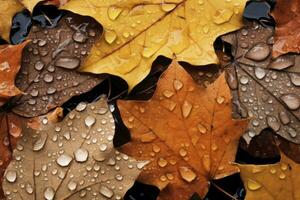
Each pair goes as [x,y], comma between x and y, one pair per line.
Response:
[287,31]
[186,131]
[10,63]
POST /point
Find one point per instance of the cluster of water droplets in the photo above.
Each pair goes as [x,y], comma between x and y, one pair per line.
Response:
[73,159]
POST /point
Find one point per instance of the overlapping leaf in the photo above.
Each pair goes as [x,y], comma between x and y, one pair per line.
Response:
[10,63]
[49,75]
[136,32]
[265,89]
[287,17]
[186,131]
[30,4]
[270,182]
[73,159]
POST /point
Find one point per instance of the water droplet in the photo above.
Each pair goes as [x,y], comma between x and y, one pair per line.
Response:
[295,79]
[284,166]
[167,7]
[202,129]
[64,160]
[39,65]
[89,121]
[206,162]
[67,63]
[273,123]
[99,156]
[103,146]
[49,193]
[42,43]
[113,12]
[222,15]
[272,170]
[156,148]
[40,143]
[284,117]
[220,99]
[186,108]
[187,174]
[119,177]
[4,66]
[81,155]
[110,36]
[51,90]
[48,78]
[148,137]
[292,132]
[11,176]
[253,185]
[29,188]
[105,191]
[177,84]
[282,62]
[282,175]
[168,93]
[34,93]
[79,37]
[291,100]
[81,106]
[162,162]
[258,52]
[244,80]
[260,73]
[72,185]
[231,80]
[141,165]
[182,152]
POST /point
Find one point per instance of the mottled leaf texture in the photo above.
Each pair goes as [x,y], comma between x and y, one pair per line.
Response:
[49,75]
[272,182]
[267,90]
[30,4]
[8,9]
[287,17]
[73,159]
[10,63]
[138,31]
[186,131]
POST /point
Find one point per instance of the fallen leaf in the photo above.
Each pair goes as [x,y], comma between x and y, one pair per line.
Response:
[8,9]
[287,37]
[49,75]
[137,32]
[264,89]
[10,63]
[270,182]
[72,159]
[186,131]
[30,4]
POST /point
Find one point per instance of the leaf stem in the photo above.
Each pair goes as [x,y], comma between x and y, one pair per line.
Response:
[222,190]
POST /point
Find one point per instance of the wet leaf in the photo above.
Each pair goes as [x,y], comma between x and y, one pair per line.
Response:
[137,32]
[10,63]
[270,182]
[186,131]
[30,4]
[264,89]
[287,37]
[49,75]
[8,9]
[72,159]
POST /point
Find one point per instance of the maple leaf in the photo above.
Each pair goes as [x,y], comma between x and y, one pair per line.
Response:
[10,63]
[186,131]
[72,159]
[49,75]
[270,182]
[287,37]
[137,32]
[30,4]
[264,89]
[8,9]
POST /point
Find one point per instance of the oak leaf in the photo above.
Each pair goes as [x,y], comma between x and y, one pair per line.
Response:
[49,75]
[186,131]
[10,63]
[270,182]
[287,37]
[137,32]
[8,9]
[264,89]
[72,159]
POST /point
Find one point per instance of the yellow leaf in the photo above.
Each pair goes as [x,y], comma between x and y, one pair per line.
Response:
[270,182]
[137,31]
[8,8]
[30,4]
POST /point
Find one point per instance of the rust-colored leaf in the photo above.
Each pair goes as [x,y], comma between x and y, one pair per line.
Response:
[287,31]
[10,63]
[186,131]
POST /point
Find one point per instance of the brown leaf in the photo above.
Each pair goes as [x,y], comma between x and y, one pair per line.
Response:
[270,182]
[49,74]
[186,131]
[10,61]
[287,34]
[264,89]
[72,159]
